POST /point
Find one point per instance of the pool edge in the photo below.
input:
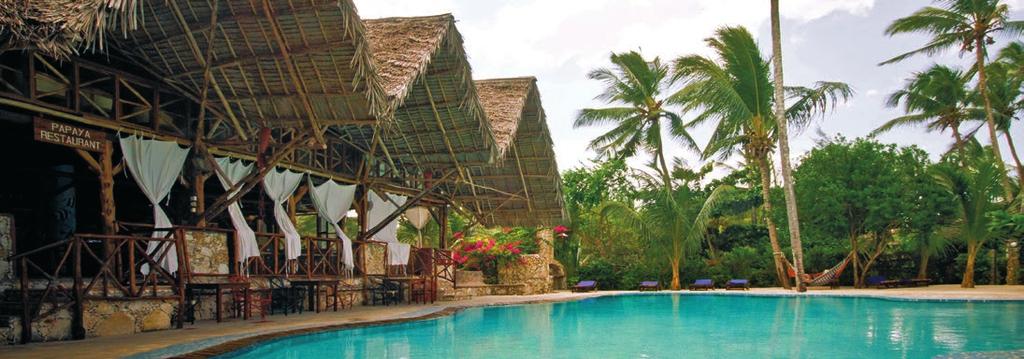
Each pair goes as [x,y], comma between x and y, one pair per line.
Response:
[233,345]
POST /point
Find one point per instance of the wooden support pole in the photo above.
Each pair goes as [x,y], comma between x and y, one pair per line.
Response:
[78,310]
[293,202]
[108,209]
[199,185]
[250,181]
[442,236]
[104,169]
[401,209]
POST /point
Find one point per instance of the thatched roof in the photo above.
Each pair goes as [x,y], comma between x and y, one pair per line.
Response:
[424,70]
[302,65]
[284,65]
[527,172]
[61,28]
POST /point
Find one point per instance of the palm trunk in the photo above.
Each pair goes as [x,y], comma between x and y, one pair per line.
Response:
[972,255]
[1013,154]
[989,119]
[773,232]
[665,177]
[922,266]
[675,285]
[856,261]
[959,145]
[787,168]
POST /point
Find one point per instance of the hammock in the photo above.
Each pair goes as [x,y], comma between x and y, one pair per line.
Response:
[819,279]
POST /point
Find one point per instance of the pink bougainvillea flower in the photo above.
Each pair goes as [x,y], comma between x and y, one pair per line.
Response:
[515,250]
[457,235]
[559,229]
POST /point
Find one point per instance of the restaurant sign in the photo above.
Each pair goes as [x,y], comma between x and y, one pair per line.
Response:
[67,135]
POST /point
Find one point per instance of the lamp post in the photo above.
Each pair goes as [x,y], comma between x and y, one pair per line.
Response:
[1012,261]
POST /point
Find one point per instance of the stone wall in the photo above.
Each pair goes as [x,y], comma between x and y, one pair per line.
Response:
[531,271]
[105,318]
[208,252]
[10,330]
[374,259]
[6,250]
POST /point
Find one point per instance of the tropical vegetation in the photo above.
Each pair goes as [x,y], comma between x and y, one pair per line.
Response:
[897,211]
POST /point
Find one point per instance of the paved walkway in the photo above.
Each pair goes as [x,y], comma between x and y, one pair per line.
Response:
[208,333]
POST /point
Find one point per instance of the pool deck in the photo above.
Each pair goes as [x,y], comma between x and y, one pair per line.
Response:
[207,334]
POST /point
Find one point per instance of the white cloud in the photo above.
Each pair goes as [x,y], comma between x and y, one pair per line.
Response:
[807,10]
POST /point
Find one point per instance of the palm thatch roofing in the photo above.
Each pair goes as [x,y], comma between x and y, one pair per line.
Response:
[61,28]
[527,169]
[425,72]
[288,65]
[282,64]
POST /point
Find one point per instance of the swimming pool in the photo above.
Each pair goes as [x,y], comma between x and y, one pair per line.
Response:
[673,325]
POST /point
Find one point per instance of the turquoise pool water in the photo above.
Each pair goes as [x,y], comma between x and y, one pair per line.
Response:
[672,326]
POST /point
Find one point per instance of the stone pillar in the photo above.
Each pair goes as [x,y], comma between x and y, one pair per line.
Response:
[6,250]
[545,240]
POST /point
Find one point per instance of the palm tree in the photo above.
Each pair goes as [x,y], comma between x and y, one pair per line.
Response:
[635,85]
[792,219]
[974,188]
[968,25]
[938,98]
[927,245]
[675,223]
[1005,78]
[736,93]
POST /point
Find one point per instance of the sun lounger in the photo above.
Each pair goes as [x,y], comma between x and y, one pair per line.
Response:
[702,284]
[880,282]
[740,284]
[919,282]
[585,286]
[650,285]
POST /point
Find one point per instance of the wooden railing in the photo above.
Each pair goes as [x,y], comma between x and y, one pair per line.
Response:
[321,257]
[272,261]
[444,265]
[122,267]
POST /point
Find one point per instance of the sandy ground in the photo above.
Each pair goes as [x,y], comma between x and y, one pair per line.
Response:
[209,333]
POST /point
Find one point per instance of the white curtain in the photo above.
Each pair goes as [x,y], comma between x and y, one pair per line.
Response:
[332,201]
[279,187]
[155,165]
[398,253]
[231,172]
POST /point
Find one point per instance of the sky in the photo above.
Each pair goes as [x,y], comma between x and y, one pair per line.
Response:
[560,41]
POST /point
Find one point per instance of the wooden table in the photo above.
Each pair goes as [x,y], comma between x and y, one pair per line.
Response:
[313,287]
[219,289]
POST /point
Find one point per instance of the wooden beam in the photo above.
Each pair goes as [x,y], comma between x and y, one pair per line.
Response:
[250,181]
[234,16]
[293,71]
[401,209]
[191,40]
[94,165]
[522,177]
[295,122]
[286,96]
